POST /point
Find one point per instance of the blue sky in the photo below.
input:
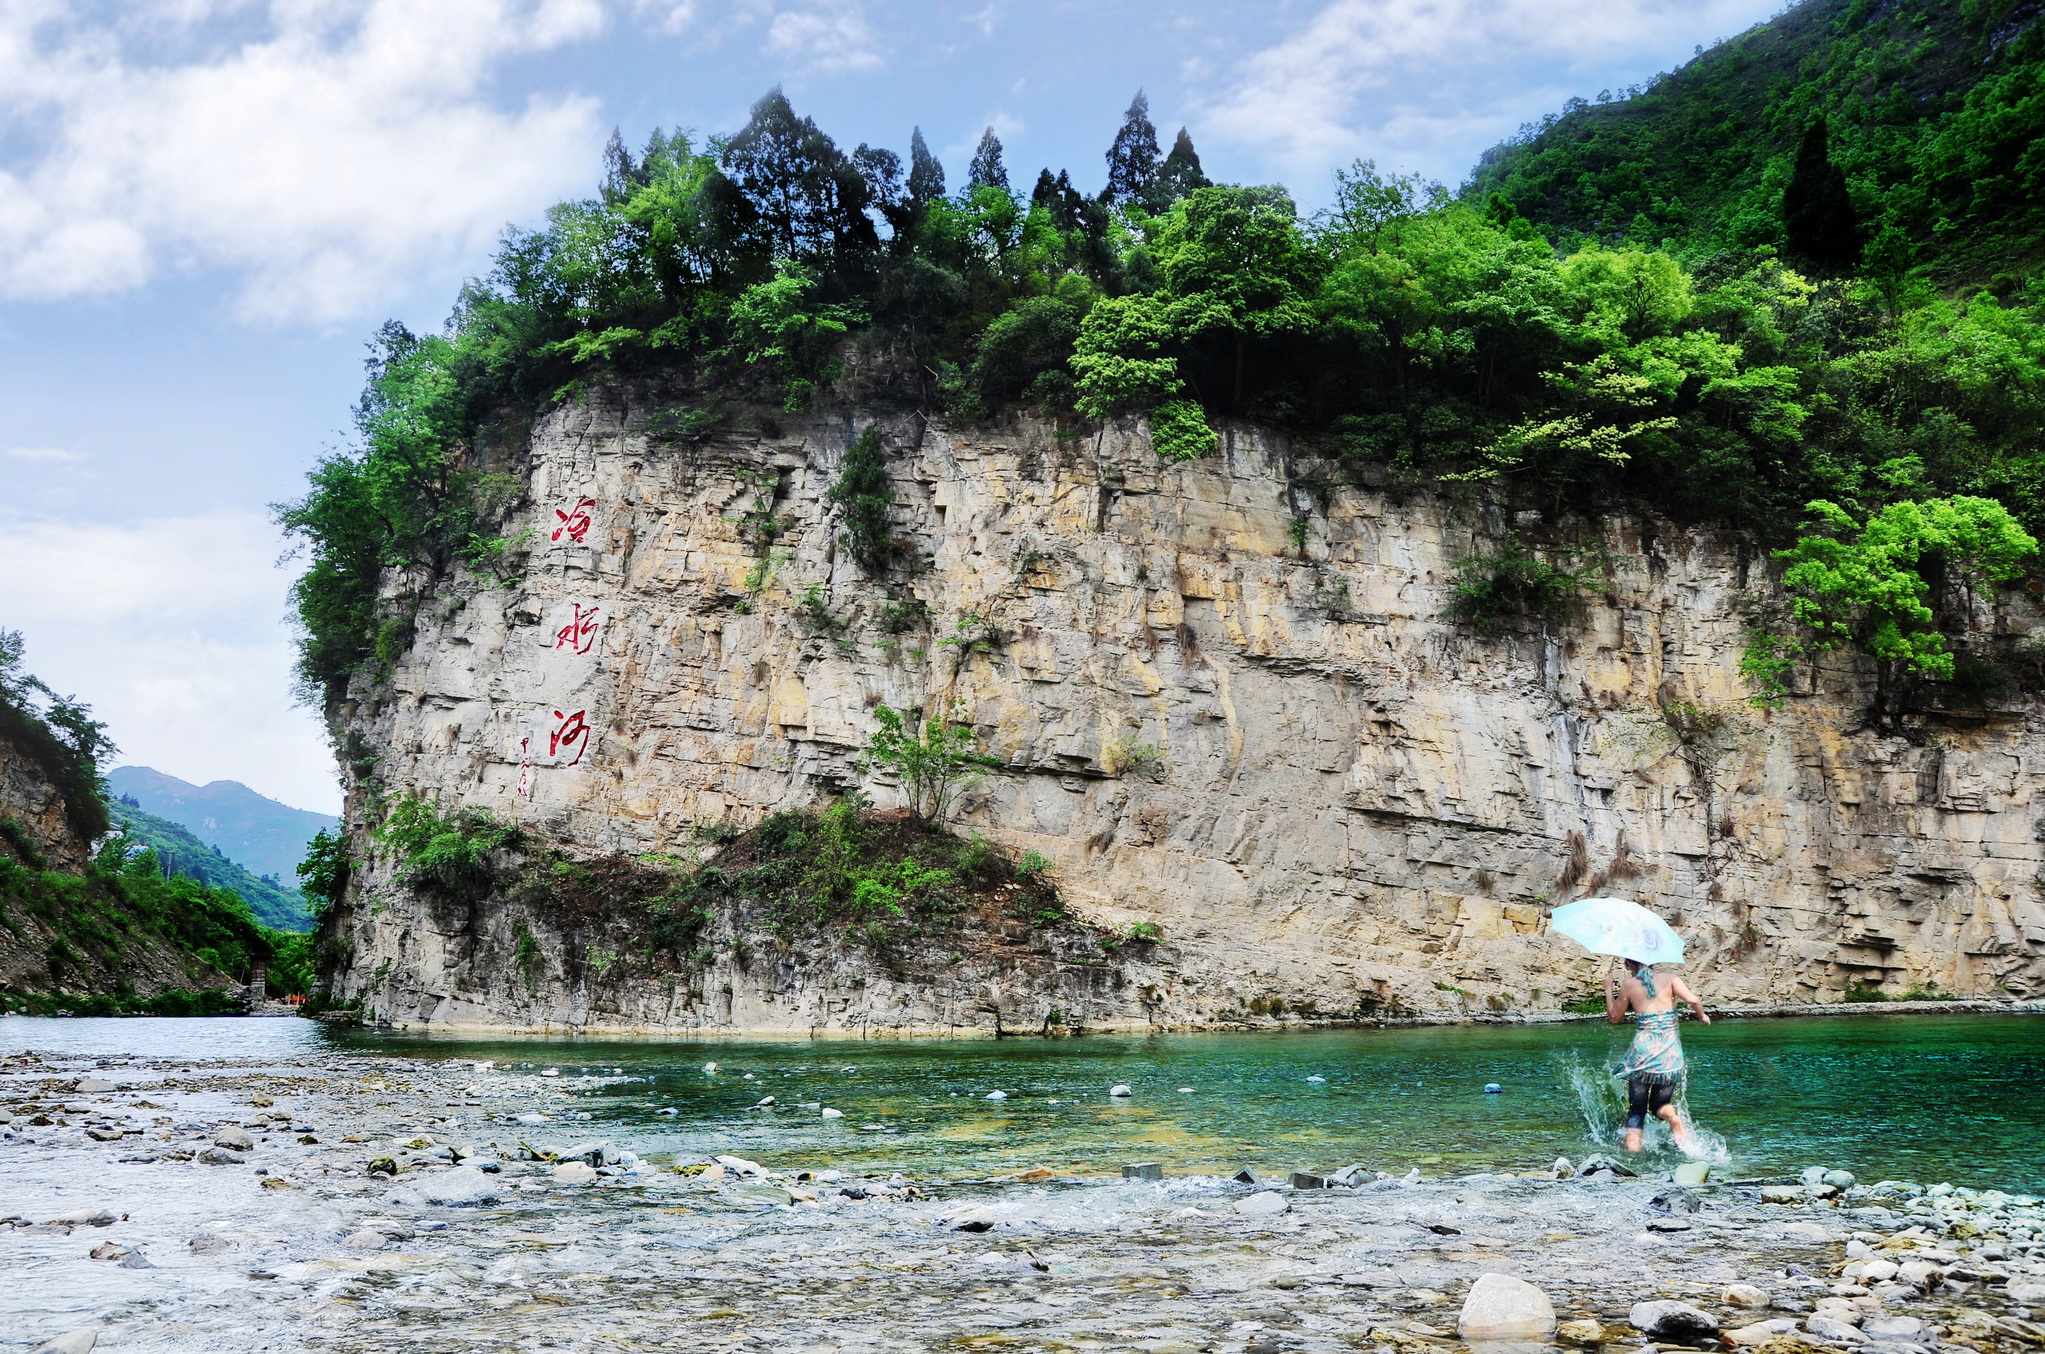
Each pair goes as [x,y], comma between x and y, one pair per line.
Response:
[207,205]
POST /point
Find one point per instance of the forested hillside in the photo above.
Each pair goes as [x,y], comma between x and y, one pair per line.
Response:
[1933,114]
[1883,431]
[183,855]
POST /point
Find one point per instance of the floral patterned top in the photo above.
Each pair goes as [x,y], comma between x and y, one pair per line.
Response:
[1656,1055]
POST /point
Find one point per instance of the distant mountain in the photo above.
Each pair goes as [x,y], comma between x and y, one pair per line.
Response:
[181,853]
[267,837]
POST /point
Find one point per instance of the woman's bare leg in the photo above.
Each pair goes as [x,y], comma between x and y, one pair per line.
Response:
[1633,1140]
[1678,1130]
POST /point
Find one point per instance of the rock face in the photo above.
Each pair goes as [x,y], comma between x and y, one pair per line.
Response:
[1227,700]
[38,812]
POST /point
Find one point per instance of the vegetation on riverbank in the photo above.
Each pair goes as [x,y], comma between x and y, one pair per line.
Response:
[122,938]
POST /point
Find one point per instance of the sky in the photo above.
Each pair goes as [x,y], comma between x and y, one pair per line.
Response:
[206,207]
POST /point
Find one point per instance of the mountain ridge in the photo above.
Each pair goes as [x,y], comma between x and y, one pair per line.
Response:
[264,836]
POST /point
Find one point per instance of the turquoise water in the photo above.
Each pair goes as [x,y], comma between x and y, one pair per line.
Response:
[1940,1098]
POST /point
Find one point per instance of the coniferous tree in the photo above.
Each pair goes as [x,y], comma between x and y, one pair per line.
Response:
[1178,177]
[800,196]
[1066,204]
[621,176]
[926,175]
[1132,160]
[1818,222]
[987,167]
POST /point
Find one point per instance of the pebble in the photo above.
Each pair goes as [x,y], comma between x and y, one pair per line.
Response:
[1120,1091]
[364,1240]
[991,1095]
[234,1139]
[464,1186]
[829,1113]
[1892,1328]
[94,1086]
[1834,1330]
[574,1173]
[1585,1332]
[70,1342]
[1264,1204]
[218,1156]
[1678,1321]
[1500,1307]
[1746,1295]
[2027,1294]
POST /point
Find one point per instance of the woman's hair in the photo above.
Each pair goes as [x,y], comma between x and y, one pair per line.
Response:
[1635,966]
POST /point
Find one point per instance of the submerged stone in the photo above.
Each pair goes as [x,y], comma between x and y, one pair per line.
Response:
[1500,1307]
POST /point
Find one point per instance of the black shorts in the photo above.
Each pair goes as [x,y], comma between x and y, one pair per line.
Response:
[1645,1097]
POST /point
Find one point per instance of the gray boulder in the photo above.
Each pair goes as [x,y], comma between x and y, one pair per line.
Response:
[1677,1321]
[1500,1307]
[234,1139]
[1266,1204]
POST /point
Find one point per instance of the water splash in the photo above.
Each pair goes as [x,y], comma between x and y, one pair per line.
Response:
[1601,1102]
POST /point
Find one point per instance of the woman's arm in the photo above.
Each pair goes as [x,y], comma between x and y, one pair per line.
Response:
[1683,993]
[1615,999]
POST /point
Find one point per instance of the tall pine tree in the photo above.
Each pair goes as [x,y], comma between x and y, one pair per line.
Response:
[926,175]
[1177,177]
[1132,160]
[1818,223]
[987,167]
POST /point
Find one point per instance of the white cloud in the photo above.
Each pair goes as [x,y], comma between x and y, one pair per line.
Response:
[832,36]
[42,454]
[172,630]
[1423,84]
[323,149]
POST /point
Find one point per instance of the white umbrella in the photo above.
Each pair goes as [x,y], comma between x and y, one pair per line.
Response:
[1618,927]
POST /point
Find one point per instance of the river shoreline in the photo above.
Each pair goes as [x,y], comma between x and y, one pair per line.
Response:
[346,1202]
[1424,1021]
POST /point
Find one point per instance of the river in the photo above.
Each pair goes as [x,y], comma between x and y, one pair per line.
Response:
[290,1243]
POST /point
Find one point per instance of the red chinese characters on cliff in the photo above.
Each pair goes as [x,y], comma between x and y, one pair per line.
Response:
[574,523]
[580,632]
[570,733]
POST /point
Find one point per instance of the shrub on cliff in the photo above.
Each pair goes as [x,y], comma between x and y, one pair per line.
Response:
[59,736]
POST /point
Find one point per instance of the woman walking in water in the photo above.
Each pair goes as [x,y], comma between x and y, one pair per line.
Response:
[1653,1066]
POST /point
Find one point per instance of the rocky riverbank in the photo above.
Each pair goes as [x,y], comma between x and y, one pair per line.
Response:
[351,1203]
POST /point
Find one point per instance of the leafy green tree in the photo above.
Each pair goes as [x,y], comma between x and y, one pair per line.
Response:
[933,765]
[1133,157]
[1866,583]
[59,735]
[1023,345]
[987,171]
[795,194]
[1818,220]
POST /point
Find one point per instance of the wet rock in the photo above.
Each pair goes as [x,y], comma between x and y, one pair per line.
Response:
[1893,1328]
[136,1260]
[1760,1332]
[574,1173]
[1840,1309]
[1746,1295]
[1677,1321]
[1782,1194]
[104,1134]
[1500,1307]
[2027,1294]
[829,1113]
[1669,1225]
[1833,1331]
[108,1250]
[1878,1271]
[1302,1180]
[1919,1273]
[1692,1173]
[1815,1231]
[94,1086]
[364,1240]
[1265,1204]
[206,1245]
[1839,1179]
[1562,1170]
[461,1187]
[1675,1201]
[1598,1161]
[1374,1278]
[219,1156]
[1245,1176]
[70,1342]
[740,1166]
[763,1194]
[234,1139]
[1350,1176]
[1144,1170]
[1120,1091]
[84,1217]
[1584,1333]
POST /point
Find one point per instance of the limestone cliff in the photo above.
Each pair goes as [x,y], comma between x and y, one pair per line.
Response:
[35,819]
[1227,701]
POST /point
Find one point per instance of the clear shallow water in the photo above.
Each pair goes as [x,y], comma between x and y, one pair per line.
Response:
[1927,1099]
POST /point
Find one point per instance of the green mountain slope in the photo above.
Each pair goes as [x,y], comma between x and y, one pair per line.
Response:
[258,832]
[182,854]
[1936,114]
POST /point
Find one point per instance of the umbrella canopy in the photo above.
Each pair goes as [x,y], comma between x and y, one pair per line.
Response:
[1618,927]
